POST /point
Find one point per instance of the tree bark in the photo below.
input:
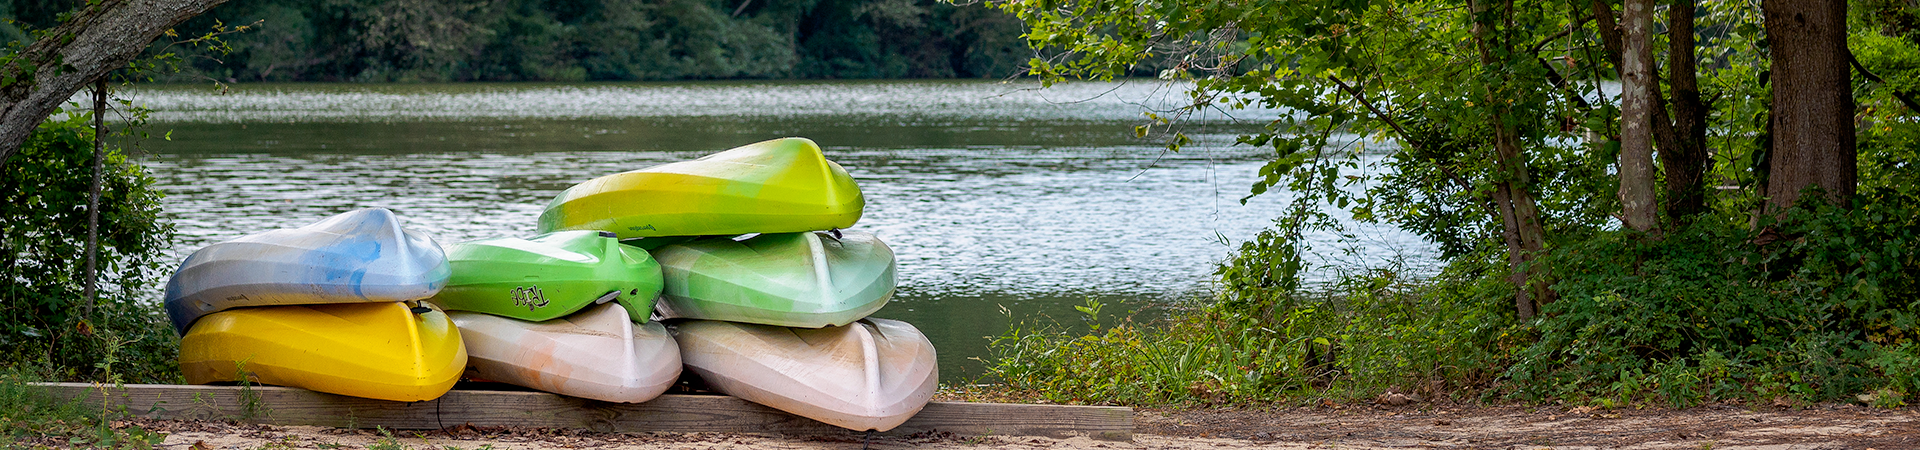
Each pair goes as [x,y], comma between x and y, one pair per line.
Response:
[1813,140]
[99,38]
[1519,213]
[1606,23]
[1687,163]
[93,194]
[1638,208]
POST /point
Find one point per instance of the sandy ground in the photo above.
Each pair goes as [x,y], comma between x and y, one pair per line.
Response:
[1367,427]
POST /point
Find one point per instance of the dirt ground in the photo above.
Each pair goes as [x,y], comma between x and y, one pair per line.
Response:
[1363,427]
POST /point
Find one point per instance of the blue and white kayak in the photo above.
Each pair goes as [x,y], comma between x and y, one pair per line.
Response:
[359,256]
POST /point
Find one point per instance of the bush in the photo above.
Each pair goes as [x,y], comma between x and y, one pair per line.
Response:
[45,320]
[1825,314]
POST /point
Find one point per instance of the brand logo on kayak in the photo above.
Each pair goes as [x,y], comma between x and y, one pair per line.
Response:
[649,227]
[530,297]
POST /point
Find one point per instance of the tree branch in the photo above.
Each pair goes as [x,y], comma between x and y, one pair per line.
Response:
[1905,98]
[1357,95]
[104,36]
[1405,138]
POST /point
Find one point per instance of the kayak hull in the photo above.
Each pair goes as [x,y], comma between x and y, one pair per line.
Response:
[870,375]
[597,353]
[808,280]
[778,186]
[373,350]
[361,256]
[549,276]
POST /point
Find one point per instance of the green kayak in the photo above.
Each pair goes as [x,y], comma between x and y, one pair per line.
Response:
[549,276]
[778,186]
[807,280]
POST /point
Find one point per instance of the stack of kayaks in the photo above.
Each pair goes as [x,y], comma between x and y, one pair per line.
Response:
[558,313]
[329,307]
[766,294]
[742,251]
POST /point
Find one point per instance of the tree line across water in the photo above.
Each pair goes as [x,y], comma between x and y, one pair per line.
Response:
[583,40]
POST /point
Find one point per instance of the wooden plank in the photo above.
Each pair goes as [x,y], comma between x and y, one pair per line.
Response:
[669,413]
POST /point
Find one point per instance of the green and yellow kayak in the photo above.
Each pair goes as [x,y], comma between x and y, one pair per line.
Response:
[385,351]
[778,186]
[807,280]
[549,276]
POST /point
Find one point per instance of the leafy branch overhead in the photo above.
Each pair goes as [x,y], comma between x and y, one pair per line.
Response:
[101,37]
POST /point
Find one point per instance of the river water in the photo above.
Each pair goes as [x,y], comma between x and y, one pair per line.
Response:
[1003,202]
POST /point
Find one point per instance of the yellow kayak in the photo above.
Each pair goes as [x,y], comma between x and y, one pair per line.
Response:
[374,350]
[778,186]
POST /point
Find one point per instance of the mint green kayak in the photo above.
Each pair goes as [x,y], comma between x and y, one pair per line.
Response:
[550,276]
[806,280]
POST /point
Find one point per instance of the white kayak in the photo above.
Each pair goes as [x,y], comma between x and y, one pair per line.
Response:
[360,256]
[597,353]
[873,374]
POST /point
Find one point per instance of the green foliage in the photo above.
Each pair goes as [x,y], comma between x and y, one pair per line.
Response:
[1373,331]
[1702,315]
[30,417]
[1828,313]
[45,320]
[597,40]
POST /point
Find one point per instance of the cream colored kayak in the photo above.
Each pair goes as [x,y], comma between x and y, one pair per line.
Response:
[870,375]
[597,353]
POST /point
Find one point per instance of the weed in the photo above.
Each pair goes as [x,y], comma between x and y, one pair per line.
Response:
[285,443]
[387,441]
[250,404]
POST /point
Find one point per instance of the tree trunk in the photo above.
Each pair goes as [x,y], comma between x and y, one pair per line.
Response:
[1609,28]
[1687,163]
[1519,214]
[1813,141]
[104,36]
[1638,208]
[93,194]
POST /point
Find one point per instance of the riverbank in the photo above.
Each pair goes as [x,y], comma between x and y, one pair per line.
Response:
[1346,427]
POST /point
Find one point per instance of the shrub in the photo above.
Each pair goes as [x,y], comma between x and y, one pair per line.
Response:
[45,320]
[1825,313]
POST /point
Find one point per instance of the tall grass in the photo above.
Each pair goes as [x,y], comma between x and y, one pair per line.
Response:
[32,418]
[1371,332]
